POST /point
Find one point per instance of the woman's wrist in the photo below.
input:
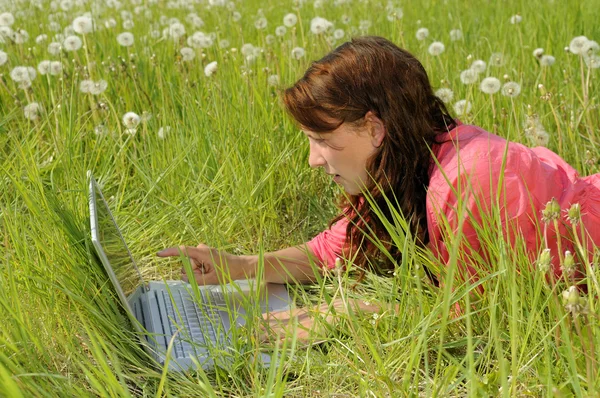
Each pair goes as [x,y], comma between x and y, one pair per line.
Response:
[247,266]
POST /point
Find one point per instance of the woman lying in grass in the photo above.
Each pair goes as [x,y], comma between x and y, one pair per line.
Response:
[375,126]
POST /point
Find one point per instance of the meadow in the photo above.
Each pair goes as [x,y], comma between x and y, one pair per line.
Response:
[174,106]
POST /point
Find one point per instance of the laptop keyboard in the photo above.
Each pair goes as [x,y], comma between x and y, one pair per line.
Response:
[198,324]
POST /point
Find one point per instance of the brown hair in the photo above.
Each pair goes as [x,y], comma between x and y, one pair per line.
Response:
[373,74]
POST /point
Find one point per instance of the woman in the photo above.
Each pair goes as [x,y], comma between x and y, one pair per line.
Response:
[374,124]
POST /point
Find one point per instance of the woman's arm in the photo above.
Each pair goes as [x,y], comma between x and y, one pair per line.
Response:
[212,266]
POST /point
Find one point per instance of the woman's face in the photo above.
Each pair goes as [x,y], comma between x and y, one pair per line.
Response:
[343,153]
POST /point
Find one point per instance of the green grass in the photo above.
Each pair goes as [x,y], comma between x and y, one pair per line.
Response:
[232,173]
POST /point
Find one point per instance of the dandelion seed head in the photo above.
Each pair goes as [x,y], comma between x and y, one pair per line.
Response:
[72,43]
[210,69]
[436,48]
[32,111]
[445,94]
[338,34]
[83,25]
[187,54]
[20,36]
[422,34]
[273,80]
[578,44]
[469,76]
[511,89]
[85,86]
[176,30]
[490,85]
[128,24]
[54,48]
[20,74]
[260,23]
[125,39]
[497,59]
[3,57]
[462,107]
[478,66]
[298,52]
[515,19]
[547,60]
[538,52]
[593,61]
[6,19]
[290,20]
[280,31]
[131,120]
[224,43]
[395,14]
[41,38]
[98,87]
[590,47]
[320,25]
[44,67]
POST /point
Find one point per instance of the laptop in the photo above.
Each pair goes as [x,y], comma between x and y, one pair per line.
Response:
[197,322]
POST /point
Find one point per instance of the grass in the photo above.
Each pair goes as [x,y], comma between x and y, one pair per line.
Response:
[232,173]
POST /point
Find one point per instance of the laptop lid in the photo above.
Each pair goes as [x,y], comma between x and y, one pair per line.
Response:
[112,249]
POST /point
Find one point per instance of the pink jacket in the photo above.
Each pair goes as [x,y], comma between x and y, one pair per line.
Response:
[471,161]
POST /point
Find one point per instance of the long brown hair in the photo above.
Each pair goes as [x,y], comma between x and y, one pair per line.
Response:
[373,74]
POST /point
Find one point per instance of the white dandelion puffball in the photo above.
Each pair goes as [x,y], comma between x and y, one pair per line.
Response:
[290,20]
[6,19]
[462,107]
[128,24]
[590,48]
[538,52]
[320,25]
[98,87]
[456,34]
[511,89]
[364,25]
[395,14]
[270,39]
[54,48]
[32,111]
[131,120]
[497,59]
[83,25]
[20,36]
[3,57]
[535,131]
[125,39]
[260,23]
[422,34]
[44,67]
[280,31]
[247,49]
[578,44]
[338,34]
[21,74]
[547,60]
[210,69]
[187,54]
[469,76]
[478,66]
[176,30]
[224,43]
[445,94]
[85,86]
[540,138]
[236,16]
[72,43]
[41,38]
[298,53]
[490,85]
[163,131]
[273,80]
[436,48]
[593,61]
[515,19]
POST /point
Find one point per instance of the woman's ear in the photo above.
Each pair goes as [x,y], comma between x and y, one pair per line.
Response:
[376,129]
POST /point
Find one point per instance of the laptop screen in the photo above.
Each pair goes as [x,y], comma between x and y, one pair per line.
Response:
[109,237]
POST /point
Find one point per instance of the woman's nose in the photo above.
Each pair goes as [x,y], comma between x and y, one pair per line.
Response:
[315,157]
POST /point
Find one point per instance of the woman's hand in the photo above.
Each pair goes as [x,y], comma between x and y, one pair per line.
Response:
[310,325]
[210,265]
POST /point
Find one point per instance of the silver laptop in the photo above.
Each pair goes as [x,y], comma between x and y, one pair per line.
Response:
[197,322]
